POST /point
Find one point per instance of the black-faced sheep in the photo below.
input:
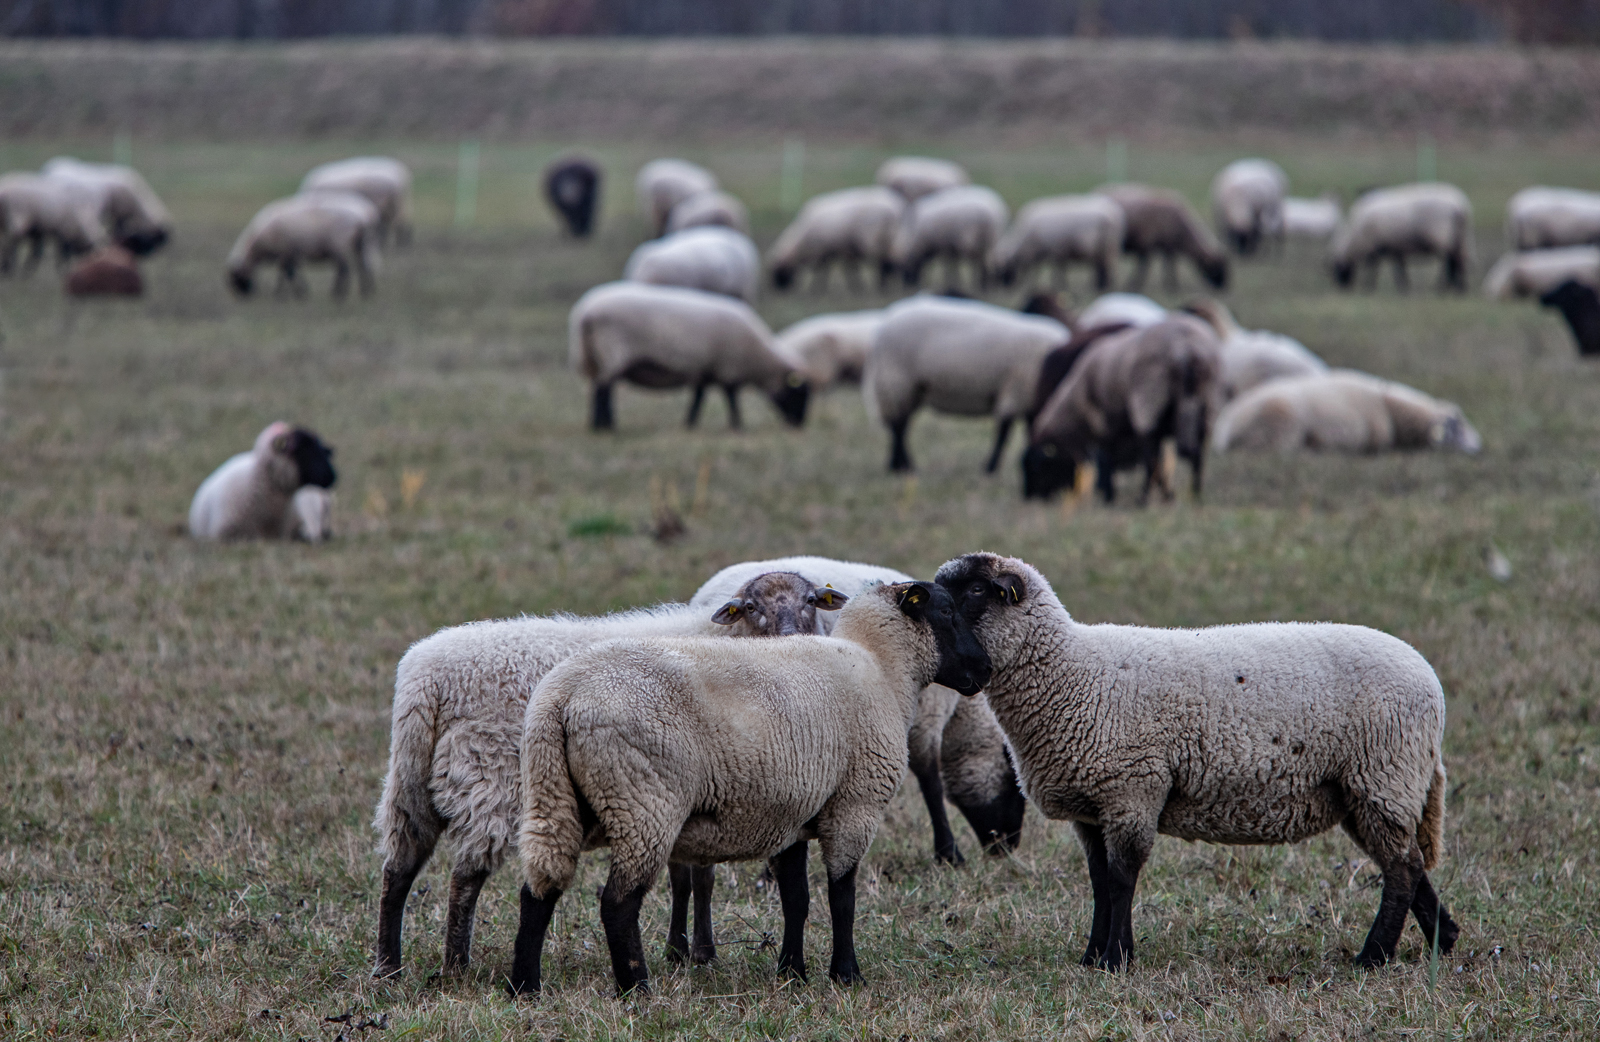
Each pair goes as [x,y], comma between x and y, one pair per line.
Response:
[333,226]
[1269,733]
[1537,272]
[107,272]
[830,348]
[916,176]
[1341,411]
[384,182]
[1158,220]
[572,188]
[711,258]
[849,227]
[1542,218]
[129,209]
[1061,230]
[709,208]
[36,210]
[252,495]
[664,183]
[1429,219]
[1580,306]
[1247,203]
[957,224]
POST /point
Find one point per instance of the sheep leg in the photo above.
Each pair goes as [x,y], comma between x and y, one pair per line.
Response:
[842,907]
[899,458]
[1105,475]
[1102,276]
[464,889]
[600,414]
[1169,271]
[1094,851]
[679,877]
[1401,281]
[529,946]
[931,782]
[1399,893]
[1432,916]
[391,915]
[732,393]
[695,403]
[789,869]
[1001,433]
[703,880]
[1125,856]
[619,914]
[885,273]
[341,279]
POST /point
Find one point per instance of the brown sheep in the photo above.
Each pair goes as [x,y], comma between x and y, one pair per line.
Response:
[107,272]
[1160,220]
[572,188]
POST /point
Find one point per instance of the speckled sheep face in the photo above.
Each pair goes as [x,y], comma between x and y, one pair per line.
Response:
[963,663]
[777,604]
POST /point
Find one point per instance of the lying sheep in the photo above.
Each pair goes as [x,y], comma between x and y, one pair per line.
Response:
[712,258]
[1158,220]
[848,227]
[572,188]
[1061,230]
[37,210]
[957,356]
[1429,218]
[459,697]
[1267,733]
[830,348]
[1541,218]
[1247,203]
[384,182]
[1580,306]
[1311,218]
[1343,411]
[109,271]
[1134,309]
[1251,357]
[1537,272]
[664,183]
[333,226]
[916,176]
[252,495]
[128,208]
[707,751]
[709,208]
[667,336]
[958,224]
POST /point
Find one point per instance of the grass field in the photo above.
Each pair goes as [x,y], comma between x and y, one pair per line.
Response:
[192,737]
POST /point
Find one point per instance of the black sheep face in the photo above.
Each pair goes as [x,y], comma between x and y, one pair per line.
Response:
[1046,470]
[144,243]
[1344,273]
[241,283]
[963,663]
[313,458]
[573,189]
[1580,306]
[782,278]
[791,399]
[1216,273]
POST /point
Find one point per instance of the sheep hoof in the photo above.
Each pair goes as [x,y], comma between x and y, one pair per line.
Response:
[385,970]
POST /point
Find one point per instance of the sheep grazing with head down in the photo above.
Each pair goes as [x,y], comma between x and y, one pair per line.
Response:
[127,206]
[705,751]
[916,176]
[1429,219]
[384,182]
[1058,231]
[830,348]
[664,183]
[35,210]
[1580,306]
[1160,221]
[709,208]
[340,228]
[849,227]
[252,495]
[1269,733]
[572,188]
[1541,218]
[1247,203]
[1534,273]
[712,258]
[1341,411]
[958,224]
[1251,357]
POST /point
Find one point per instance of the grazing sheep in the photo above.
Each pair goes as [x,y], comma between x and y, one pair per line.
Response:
[1541,218]
[957,356]
[1128,393]
[709,208]
[1537,272]
[712,258]
[1580,306]
[1135,309]
[667,336]
[706,751]
[831,348]
[129,209]
[572,188]
[850,226]
[109,271]
[1247,203]
[1061,230]
[1158,220]
[1428,218]
[1311,218]
[36,209]
[1266,733]
[916,176]
[333,226]
[252,495]
[958,224]
[459,697]
[1058,363]
[384,182]
[1343,411]
[1251,357]
[664,183]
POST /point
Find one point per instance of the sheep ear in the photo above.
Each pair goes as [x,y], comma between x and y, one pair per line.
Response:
[1011,588]
[729,613]
[829,599]
[914,598]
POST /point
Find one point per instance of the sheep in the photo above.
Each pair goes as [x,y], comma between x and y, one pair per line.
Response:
[325,225]
[1251,357]
[1580,306]
[129,209]
[252,495]
[1128,393]
[1135,309]
[572,188]
[957,356]
[35,209]
[1543,218]
[459,697]
[1264,733]
[1060,230]
[916,176]
[850,226]
[668,336]
[1311,218]
[1343,411]
[1158,220]
[712,258]
[1058,363]
[830,348]
[1247,202]
[109,271]
[384,182]
[952,738]
[961,223]
[1537,272]
[706,751]
[1426,218]
[709,208]
[664,183]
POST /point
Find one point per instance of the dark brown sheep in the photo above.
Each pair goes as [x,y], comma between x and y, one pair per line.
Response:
[572,188]
[107,272]
[1160,220]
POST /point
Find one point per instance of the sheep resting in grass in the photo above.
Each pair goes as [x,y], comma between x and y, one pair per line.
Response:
[1541,218]
[664,183]
[36,210]
[830,348]
[129,209]
[958,224]
[1251,357]
[333,226]
[1428,218]
[1267,733]
[1247,203]
[109,271]
[1580,306]
[1537,272]
[572,188]
[1342,411]
[252,495]
[1058,231]
[916,176]
[704,751]
[667,336]
[1158,220]
[712,258]
[849,227]
[383,182]
[1311,218]
[709,208]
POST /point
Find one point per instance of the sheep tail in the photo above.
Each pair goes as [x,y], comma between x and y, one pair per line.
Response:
[407,820]
[551,835]
[1430,832]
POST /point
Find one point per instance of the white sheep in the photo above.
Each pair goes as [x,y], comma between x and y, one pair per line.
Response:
[1060,230]
[916,176]
[326,225]
[255,495]
[957,356]
[1533,273]
[35,210]
[830,348]
[129,209]
[664,183]
[1267,733]
[1135,309]
[1427,218]
[705,751]
[1247,202]
[1541,218]
[1342,411]
[712,258]
[667,336]
[707,208]
[384,182]
[1311,218]
[848,227]
[1251,357]
[958,224]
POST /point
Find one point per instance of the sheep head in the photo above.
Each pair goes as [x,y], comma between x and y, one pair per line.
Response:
[778,604]
[963,663]
[791,398]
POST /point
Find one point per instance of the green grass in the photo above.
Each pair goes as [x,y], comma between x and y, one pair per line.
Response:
[192,737]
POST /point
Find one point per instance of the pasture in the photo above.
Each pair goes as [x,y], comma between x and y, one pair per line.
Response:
[192,737]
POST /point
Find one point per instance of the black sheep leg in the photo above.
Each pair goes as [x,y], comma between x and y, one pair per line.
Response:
[619,914]
[789,870]
[1094,852]
[1002,432]
[702,880]
[535,922]
[899,458]
[931,782]
[601,417]
[842,907]
[694,405]
[732,393]
[1125,856]
[392,912]
[1399,891]
[679,879]
[1105,476]
[1431,915]
[464,890]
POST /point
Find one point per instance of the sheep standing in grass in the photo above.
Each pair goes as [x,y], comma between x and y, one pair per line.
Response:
[1247,203]
[572,188]
[1251,357]
[1541,218]
[712,258]
[830,348]
[1061,230]
[706,751]
[849,227]
[709,208]
[1429,219]
[253,495]
[1270,733]
[1342,411]
[128,208]
[384,182]
[333,226]
[1536,272]
[35,210]
[664,183]
[916,176]
[1160,221]
[958,224]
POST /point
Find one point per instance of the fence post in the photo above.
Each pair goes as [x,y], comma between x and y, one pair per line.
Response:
[466,184]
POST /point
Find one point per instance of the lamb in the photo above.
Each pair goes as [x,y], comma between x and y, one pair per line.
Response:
[916,176]
[384,182]
[36,209]
[1247,202]
[712,258]
[1265,733]
[1311,218]
[961,223]
[850,226]
[957,356]
[1061,230]
[1427,218]
[1537,272]
[252,495]
[129,209]
[667,336]
[109,271]
[1343,411]
[1544,218]
[1158,220]
[709,208]
[333,226]
[664,183]
[830,348]
[956,748]
[572,188]
[1580,306]
[459,697]
[1251,357]
[704,751]
[1135,309]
